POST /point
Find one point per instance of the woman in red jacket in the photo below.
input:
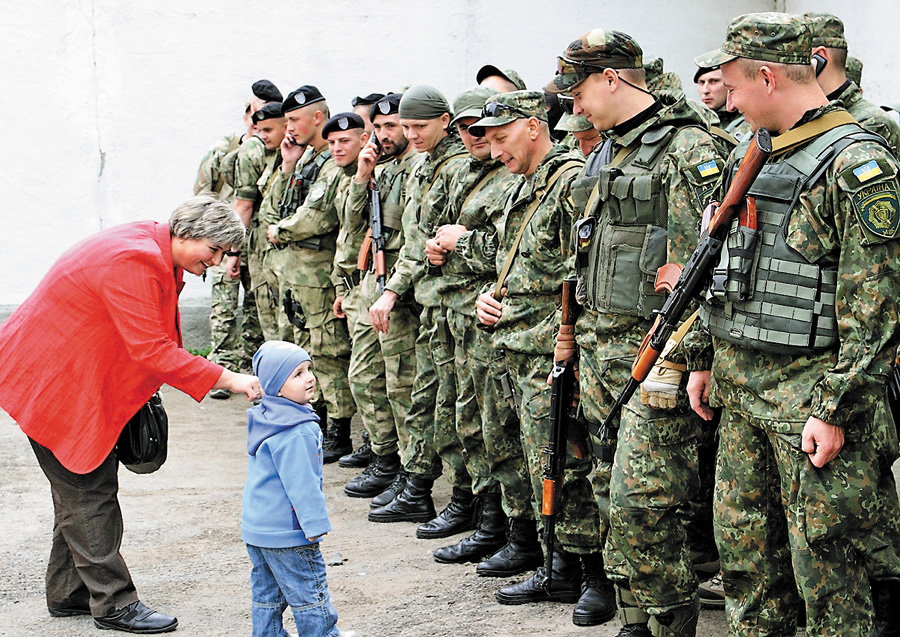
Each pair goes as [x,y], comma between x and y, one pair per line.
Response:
[78,358]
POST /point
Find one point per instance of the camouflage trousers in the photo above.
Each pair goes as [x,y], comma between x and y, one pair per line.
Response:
[431,420]
[578,519]
[884,545]
[382,371]
[233,339]
[269,309]
[780,520]
[487,425]
[327,340]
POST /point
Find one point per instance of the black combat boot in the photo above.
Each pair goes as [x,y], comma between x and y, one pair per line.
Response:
[886,598]
[457,516]
[676,622]
[337,440]
[522,551]
[566,585]
[413,504]
[489,535]
[597,604]
[375,478]
[359,458]
[386,496]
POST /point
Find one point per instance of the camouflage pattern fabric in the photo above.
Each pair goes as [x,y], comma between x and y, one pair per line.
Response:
[655,474]
[767,37]
[209,175]
[306,271]
[383,366]
[816,540]
[769,397]
[870,116]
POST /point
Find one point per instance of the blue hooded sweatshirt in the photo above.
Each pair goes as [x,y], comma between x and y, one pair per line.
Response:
[284,504]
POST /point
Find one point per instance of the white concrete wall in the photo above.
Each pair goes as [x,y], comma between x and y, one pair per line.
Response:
[109,104]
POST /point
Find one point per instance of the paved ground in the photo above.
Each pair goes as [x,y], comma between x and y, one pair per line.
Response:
[182,543]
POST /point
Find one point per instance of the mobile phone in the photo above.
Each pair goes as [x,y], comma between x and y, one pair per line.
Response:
[377,143]
[820,63]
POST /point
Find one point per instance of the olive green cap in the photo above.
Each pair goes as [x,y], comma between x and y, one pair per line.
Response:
[469,103]
[593,52]
[511,106]
[508,74]
[768,37]
[827,30]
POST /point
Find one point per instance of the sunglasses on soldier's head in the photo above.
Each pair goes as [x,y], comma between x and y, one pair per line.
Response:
[493,109]
[571,72]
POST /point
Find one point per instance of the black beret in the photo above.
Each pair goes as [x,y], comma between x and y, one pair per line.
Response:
[272,110]
[388,105]
[266,91]
[371,98]
[342,121]
[703,70]
[306,94]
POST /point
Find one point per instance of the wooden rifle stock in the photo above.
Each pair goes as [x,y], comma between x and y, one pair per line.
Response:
[695,274]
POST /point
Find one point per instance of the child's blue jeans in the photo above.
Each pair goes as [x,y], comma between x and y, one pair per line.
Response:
[292,577]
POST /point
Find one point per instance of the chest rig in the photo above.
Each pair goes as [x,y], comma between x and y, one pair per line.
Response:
[765,295]
[298,187]
[621,242]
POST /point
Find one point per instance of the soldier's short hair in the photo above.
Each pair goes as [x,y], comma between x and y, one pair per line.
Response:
[207,217]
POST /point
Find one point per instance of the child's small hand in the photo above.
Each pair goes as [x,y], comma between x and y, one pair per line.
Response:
[317,538]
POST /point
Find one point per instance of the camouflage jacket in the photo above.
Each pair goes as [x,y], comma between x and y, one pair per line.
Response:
[528,323]
[687,190]
[849,220]
[391,177]
[870,116]
[354,224]
[249,166]
[422,217]
[257,241]
[209,175]
[484,187]
[311,232]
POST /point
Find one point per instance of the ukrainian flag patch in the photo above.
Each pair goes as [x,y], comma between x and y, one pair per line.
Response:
[708,169]
[867,171]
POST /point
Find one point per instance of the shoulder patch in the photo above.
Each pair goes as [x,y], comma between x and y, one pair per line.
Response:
[878,207]
[317,191]
[867,171]
[708,169]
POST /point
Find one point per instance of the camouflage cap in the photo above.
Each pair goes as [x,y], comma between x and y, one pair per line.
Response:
[509,75]
[827,30]
[767,37]
[854,69]
[503,108]
[594,52]
[573,123]
[469,103]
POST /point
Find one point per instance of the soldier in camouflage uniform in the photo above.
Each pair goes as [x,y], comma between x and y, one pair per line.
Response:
[583,135]
[346,136]
[383,364]
[854,70]
[425,117]
[487,427]
[232,342]
[642,198]
[803,336]
[713,95]
[501,81]
[533,256]
[305,239]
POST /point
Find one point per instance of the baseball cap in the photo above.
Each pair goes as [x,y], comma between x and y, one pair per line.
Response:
[594,52]
[768,37]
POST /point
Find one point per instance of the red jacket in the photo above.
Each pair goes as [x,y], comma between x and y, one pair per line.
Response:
[92,343]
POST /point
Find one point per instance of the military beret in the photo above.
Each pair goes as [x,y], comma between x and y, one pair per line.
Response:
[594,52]
[388,105]
[371,98]
[509,75]
[272,110]
[266,91]
[827,30]
[303,96]
[767,37]
[341,122]
[469,103]
[503,108]
[703,70]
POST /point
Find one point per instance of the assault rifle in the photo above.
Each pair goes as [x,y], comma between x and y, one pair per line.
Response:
[693,277]
[374,241]
[562,392]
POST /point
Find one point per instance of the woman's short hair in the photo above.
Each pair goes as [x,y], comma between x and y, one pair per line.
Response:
[207,217]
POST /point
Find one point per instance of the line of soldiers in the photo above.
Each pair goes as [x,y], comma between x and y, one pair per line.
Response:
[444,347]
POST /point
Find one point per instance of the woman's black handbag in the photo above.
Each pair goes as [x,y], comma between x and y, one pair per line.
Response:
[142,444]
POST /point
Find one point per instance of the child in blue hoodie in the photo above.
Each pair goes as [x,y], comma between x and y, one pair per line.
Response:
[284,514]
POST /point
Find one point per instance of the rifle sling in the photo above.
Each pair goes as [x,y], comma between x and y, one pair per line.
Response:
[806,132]
[529,213]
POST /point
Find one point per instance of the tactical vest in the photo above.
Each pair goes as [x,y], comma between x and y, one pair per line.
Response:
[392,205]
[301,181]
[765,295]
[621,243]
